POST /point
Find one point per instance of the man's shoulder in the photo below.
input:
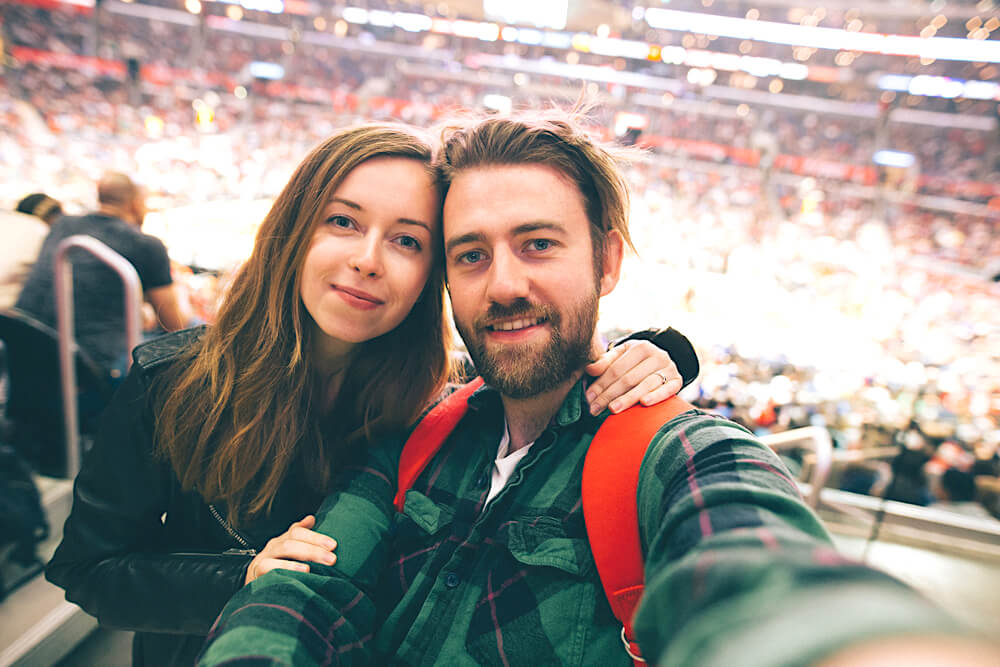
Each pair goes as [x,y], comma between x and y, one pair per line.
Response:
[111,230]
[692,431]
[166,348]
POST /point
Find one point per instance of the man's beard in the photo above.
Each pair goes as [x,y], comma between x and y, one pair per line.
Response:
[522,370]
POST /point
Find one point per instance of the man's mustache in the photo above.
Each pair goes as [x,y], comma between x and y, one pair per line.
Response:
[518,308]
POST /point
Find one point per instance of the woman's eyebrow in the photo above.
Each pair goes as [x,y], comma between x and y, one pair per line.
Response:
[348,203]
[418,223]
[358,207]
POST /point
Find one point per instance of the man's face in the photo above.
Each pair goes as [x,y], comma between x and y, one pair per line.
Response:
[521,274]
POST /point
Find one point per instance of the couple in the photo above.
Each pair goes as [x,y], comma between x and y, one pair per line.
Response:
[488,562]
[332,336]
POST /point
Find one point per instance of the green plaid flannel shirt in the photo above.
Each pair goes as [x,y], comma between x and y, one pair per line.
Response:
[739,571]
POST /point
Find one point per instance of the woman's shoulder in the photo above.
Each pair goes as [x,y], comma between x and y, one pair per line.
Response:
[164,349]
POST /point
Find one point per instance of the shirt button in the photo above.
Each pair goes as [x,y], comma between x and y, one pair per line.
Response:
[451,580]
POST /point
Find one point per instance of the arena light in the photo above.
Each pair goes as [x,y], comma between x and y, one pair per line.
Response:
[540,13]
[262,70]
[411,22]
[936,86]
[530,36]
[270,6]
[894,159]
[939,48]
[897,82]
[355,15]
[558,40]
[981,90]
[380,18]
[498,103]
[626,48]
[939,86]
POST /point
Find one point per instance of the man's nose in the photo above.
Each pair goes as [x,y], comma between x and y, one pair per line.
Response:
[367,257]
[508,280]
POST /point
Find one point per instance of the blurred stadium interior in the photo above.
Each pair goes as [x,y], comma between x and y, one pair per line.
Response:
[817,205]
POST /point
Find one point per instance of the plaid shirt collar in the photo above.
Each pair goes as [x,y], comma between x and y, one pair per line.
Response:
[575,408]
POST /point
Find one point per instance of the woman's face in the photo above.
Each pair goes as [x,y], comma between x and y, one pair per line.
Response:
[372,252]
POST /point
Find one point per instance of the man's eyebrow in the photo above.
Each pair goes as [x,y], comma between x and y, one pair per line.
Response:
[358,207]
[529,227]
[463,238]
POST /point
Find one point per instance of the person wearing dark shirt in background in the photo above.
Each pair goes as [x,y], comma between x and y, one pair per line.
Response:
[98,296]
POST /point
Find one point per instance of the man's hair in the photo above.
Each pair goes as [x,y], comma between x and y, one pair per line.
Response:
[555,138]
[116,189]
[41,206]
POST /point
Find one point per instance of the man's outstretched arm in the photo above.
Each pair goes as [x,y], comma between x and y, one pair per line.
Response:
[325,615]
[740,571]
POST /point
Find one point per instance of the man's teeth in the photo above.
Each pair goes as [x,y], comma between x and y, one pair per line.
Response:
[516,324]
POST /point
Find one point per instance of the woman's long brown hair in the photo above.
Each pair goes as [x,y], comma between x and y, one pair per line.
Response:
[245,404]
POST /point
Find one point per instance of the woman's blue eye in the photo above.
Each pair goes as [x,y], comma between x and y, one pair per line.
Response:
[341,221]
[409,242]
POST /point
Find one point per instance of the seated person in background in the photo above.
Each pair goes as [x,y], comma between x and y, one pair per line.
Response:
[956,492]
[488,562]
[24,231]
[98,301]
[42,206]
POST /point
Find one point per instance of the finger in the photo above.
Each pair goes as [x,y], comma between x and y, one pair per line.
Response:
[631,397]
[305,551]
[626,374]
[598,368]
[312,537]
[663,392]
[269,564]
[308,521]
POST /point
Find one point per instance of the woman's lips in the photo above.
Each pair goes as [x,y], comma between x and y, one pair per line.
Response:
[358,298]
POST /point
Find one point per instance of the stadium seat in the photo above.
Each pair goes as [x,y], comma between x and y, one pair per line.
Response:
[33,418]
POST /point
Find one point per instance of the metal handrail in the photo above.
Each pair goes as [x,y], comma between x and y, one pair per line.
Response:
[822,449]
[64,319]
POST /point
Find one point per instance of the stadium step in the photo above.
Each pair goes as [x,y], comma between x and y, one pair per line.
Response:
[37,625]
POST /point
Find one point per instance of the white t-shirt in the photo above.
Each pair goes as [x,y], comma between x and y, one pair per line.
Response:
[503,466]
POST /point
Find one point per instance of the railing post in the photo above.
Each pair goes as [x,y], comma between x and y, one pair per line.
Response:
[822,447]
[67,342]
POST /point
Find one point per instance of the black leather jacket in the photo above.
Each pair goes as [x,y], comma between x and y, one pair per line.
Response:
[138,552]
[141,554]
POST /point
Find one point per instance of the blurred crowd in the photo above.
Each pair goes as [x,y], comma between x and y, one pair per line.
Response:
[830,317]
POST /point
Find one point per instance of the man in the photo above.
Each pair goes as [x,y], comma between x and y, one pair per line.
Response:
[98,294]
[489,563]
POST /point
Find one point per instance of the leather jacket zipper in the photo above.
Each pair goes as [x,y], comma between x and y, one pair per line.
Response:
[232,531]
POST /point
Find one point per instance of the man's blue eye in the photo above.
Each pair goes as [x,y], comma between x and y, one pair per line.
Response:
[470,257]
[541,244]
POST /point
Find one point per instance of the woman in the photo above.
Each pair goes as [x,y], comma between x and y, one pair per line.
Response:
[332,335]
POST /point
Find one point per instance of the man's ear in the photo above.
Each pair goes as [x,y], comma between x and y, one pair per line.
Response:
[611,268]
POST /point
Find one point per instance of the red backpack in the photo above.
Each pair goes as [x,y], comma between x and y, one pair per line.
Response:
[610,483]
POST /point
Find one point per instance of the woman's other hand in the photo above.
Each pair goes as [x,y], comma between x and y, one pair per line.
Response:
[634,372]
[293,550]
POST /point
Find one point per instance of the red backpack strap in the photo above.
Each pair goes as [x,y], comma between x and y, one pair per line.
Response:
[429,435]
[610,510]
